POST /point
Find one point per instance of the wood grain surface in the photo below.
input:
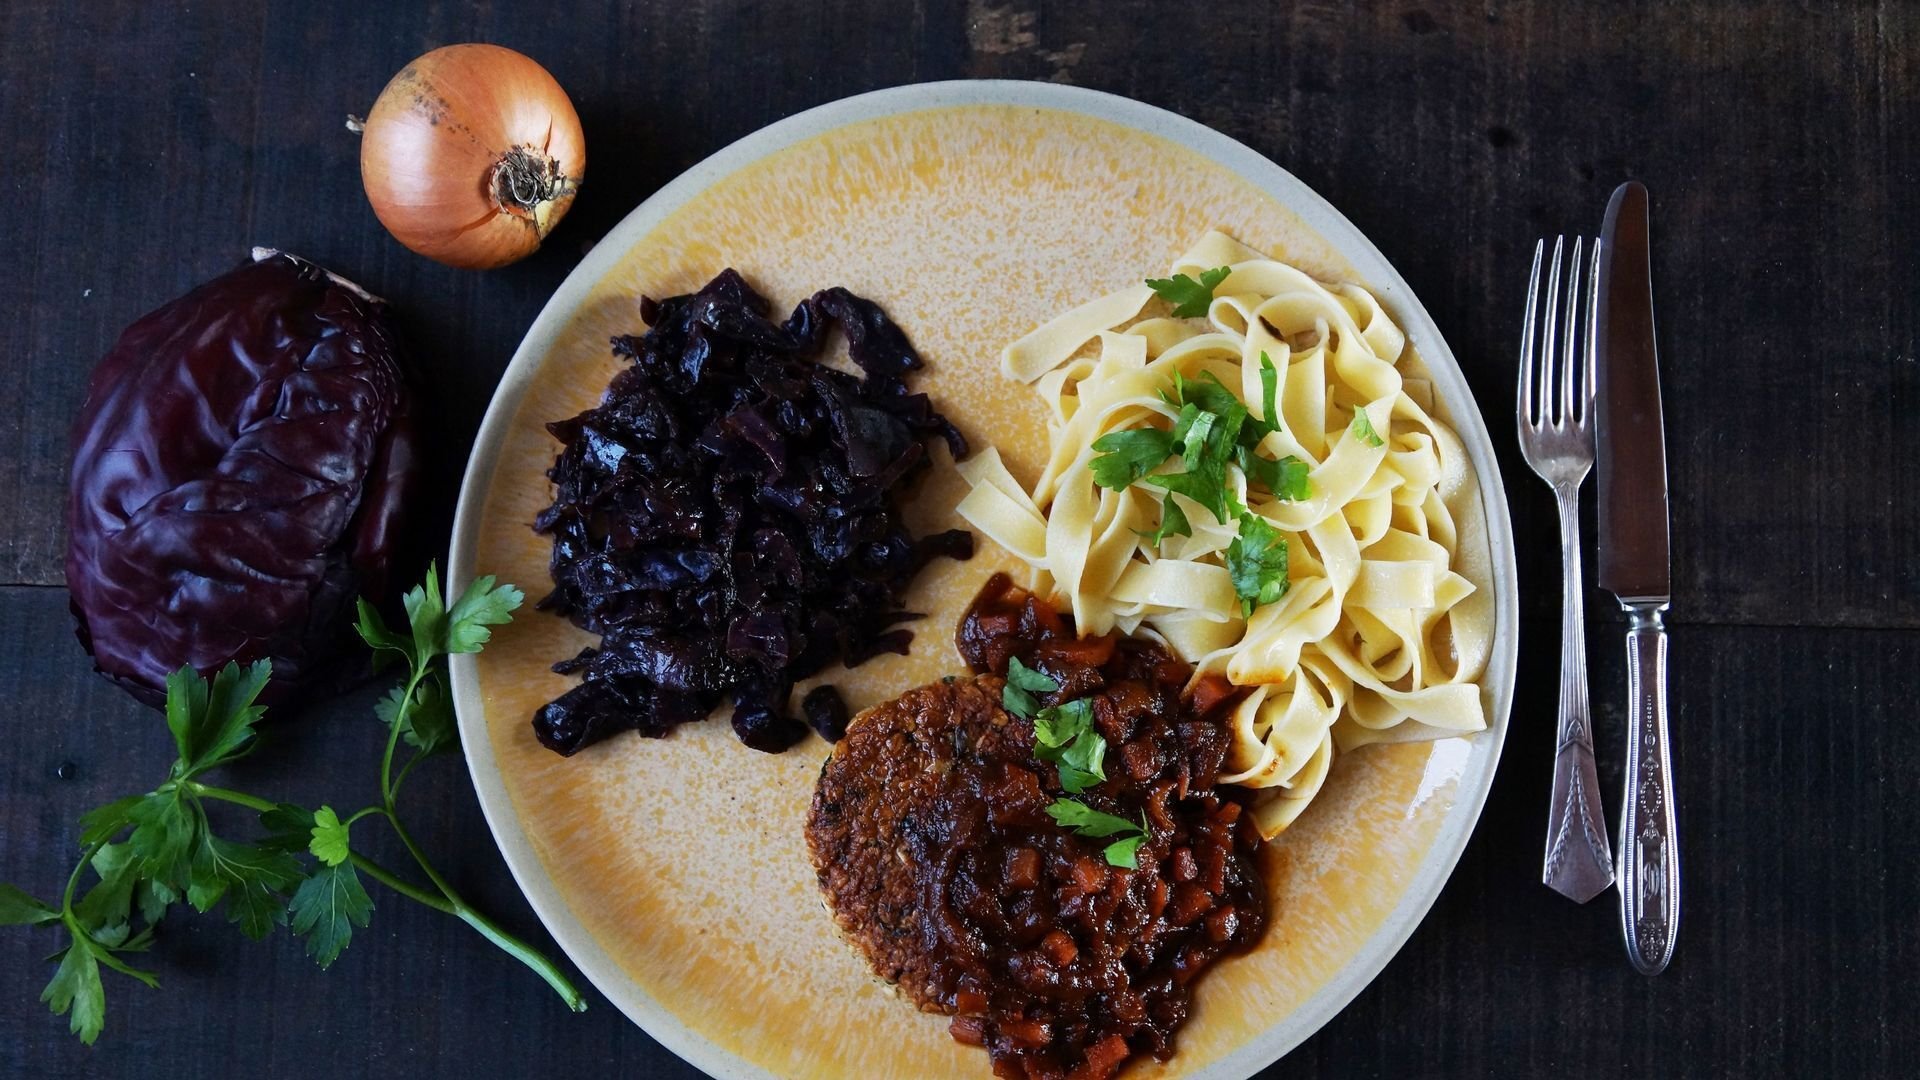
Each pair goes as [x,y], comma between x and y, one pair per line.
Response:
[146,146]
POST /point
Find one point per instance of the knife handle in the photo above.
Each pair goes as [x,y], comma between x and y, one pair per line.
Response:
[1649,845]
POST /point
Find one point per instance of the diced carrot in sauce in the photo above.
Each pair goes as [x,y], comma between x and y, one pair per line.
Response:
[1210,691]
[1059,947]
[1221,924]
[1031,1034]
[1189,902]
[971,1030]
[970,1003]
[1103,1059]
[1023,868]
[1089,875]
[1184,868]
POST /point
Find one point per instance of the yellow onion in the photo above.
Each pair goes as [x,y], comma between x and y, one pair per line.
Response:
[471,155]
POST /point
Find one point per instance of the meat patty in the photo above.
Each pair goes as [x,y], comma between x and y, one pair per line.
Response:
[885,771]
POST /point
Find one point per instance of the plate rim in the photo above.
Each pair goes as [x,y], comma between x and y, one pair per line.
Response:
[1442,856]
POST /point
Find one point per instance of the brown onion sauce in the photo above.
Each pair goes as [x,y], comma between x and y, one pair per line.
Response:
[1061,965]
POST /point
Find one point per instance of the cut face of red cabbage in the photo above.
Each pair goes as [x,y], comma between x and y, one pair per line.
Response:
[239,470]
[727,520]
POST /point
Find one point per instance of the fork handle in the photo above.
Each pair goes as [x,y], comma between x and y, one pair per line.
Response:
[1649,845]
[1577,863]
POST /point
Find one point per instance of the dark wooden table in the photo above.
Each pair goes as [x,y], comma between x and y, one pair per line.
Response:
[144,147]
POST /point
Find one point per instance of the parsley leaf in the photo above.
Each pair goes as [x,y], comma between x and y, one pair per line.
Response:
[1058,725]
[254,879]
[19,909]
[1064,735]
[1269,392]
[1085,757]
[379,637]
[1362,428]
[1206,485]
[1194,445]
[165,827]
[1027,678]
[1286,478]
[1095,824]
[1086,821]
[1126,456]
[289,828]
[212,723]
[1022,683]
[1257,563]
[483,605]
[1125,853]
[327,907]
[1189,297]
[329,843]
[1211,394]
[76,986]
[426,615]
[436,630]
[105,906]
[428,724]
[1173,522]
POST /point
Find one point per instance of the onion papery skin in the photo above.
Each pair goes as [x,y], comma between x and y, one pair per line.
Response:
[471,155]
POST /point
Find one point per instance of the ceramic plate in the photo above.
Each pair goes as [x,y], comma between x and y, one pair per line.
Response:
[673,872]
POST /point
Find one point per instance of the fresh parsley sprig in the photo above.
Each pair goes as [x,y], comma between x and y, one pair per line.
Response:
[149,852]
[1084,820]
[1362,428]
[1257,564]
[1190,298]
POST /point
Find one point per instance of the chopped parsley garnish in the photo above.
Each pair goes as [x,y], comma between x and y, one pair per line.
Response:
[1362,429]
[1126,456]
[1189,298]
[1269,391]
[1064,735]
[1022,683]
[1173,522]
[1085,821]
[1286,478]
[1206,485]
[1209,393]
[1257,563]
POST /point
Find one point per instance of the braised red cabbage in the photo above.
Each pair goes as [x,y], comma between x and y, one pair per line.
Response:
[727,520]
[239,470]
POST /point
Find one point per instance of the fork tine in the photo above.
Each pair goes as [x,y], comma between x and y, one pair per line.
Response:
[1527,415]
[1571,340]
[1593,330]
[1550,338]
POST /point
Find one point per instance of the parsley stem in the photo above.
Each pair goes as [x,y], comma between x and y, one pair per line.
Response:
[412,892]
[229,795]
[73,879]
[400,716]
[527,955]
[452,904]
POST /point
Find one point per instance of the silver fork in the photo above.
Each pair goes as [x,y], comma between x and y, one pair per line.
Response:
[1555,416]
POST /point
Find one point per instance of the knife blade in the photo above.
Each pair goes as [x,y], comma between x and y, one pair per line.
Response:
[1631,450]
[1631,456]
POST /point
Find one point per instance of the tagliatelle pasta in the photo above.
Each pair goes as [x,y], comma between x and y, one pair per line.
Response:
[1378,636]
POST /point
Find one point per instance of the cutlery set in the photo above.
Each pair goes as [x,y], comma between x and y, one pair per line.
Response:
[1589,396]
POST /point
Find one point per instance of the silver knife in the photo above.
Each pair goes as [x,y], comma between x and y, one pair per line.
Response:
[1634,566]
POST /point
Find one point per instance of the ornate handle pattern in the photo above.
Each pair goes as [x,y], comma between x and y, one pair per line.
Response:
[1649,845]
[1578,864]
